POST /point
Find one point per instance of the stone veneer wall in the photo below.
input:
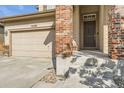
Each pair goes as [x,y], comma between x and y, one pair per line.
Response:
[116,31]
[64,27]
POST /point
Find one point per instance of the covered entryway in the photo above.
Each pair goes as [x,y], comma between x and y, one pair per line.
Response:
[89,25]
[32,43]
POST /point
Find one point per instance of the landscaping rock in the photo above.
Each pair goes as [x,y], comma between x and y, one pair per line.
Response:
[91,62]
[50,77]
[110,64]
[72,70]
[96,73]
[108,75]
[82,72]
[119,81]
[119,74]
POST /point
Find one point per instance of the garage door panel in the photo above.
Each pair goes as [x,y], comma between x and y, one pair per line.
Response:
[29,34]
[21,42]
[33,40]
[32,54]
[32,47]
[32,44]
[21,49]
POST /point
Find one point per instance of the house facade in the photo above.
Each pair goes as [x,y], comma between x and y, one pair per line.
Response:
[55,30]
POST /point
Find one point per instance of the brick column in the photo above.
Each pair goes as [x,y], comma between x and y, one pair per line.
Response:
[64,37]
[64,28]
[116,32]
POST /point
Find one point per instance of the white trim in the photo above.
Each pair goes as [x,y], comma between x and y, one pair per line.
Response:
[89,17]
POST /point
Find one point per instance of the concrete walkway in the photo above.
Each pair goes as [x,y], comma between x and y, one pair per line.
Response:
[22,72]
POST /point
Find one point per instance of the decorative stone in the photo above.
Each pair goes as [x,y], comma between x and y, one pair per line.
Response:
[72,70]
[82,72]
[49,77]
[120,68]
[119,81]
[91,62]
[119,74]
[110,64]
[108,75]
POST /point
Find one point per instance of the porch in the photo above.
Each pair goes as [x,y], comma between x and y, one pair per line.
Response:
[90,28]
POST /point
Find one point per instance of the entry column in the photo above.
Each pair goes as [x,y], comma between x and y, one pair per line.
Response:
[64,35]
[116,33]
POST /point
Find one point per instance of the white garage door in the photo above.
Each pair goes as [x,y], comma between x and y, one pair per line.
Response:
[32,44]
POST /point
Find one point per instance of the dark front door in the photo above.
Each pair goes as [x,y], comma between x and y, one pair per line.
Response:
[90,34]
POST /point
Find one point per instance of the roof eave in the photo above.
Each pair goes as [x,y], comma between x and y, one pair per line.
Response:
[28,16]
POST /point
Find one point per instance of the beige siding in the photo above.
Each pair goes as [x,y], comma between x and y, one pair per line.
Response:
[76,20]
[89,8]
[45,7]
[105,29]
[105,39]
[40,7]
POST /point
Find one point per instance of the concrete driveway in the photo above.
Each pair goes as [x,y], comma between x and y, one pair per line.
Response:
[22,72]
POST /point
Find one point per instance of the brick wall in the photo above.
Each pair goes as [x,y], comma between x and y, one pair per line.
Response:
[116,32]
[64,28]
